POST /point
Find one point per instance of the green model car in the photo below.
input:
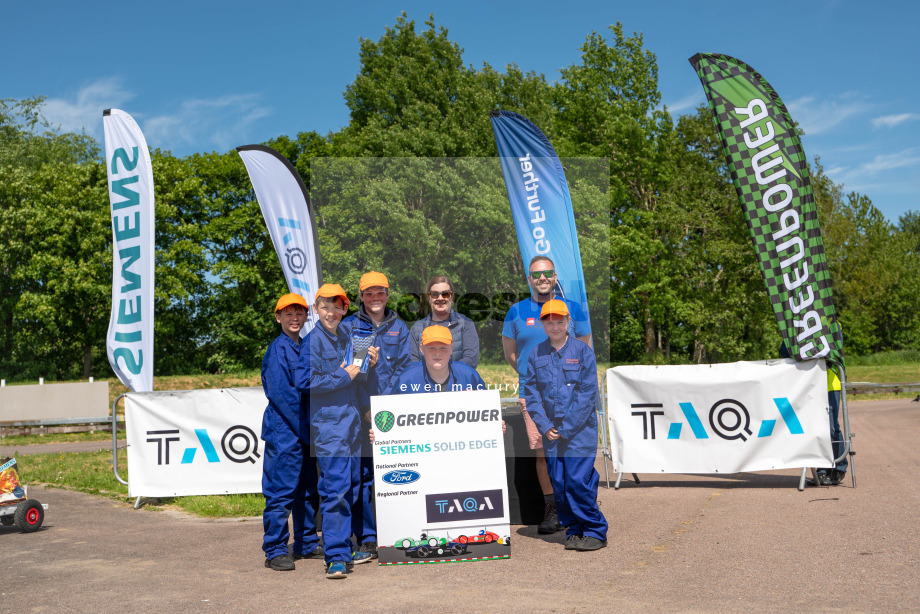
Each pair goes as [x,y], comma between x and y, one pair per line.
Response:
[431,542]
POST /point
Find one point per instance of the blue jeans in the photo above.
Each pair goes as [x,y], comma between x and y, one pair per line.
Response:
[837,443]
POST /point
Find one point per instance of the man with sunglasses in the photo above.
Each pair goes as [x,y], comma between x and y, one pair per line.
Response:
[521,333]
[465,346]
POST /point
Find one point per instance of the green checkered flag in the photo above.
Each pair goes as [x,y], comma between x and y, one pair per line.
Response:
[768,168]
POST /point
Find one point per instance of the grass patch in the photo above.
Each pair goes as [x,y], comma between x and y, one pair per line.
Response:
[28,440]
[890,358]
[91,473]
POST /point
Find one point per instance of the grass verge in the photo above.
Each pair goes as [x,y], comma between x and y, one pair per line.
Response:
[91,473]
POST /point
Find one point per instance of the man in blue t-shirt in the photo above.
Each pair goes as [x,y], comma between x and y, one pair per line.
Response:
[521,333]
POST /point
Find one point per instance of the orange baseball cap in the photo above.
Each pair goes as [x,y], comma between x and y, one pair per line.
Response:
[291,299]
[332,291]
[554,307]
[436,334]
[371,279]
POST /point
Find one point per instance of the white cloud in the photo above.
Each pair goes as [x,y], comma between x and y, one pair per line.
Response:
[881,164]
[220,122]
[690,101]
[817,116]
[890,121]
[200,124]
[84,111]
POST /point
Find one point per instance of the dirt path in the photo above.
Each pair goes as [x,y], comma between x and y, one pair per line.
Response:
[747,542]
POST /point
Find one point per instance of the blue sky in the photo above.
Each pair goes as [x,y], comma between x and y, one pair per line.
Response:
[204,75]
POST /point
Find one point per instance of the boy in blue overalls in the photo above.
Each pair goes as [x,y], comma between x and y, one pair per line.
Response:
[560,391]
[330,384]
[288,482]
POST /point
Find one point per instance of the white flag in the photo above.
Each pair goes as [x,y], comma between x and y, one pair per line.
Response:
[285,206]
[130,338]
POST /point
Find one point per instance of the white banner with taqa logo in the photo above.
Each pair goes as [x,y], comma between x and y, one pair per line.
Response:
[720,418]
[195,442]
[289,218]
[439,477]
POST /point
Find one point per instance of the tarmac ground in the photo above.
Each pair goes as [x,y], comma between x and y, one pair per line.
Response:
[677,543]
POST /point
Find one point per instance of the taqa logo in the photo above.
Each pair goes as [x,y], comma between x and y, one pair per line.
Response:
[728,419]
[239,444]
[384,420]
[401,477]
[467,505]
[296,260]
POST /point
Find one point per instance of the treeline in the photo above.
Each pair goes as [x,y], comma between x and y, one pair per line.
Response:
[408,188]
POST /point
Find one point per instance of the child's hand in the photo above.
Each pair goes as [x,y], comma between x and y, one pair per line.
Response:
[372,353]
[371,434]
[351,370]
[504,427]
[552,434]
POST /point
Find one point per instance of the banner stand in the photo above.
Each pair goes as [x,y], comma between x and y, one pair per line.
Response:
[847,435]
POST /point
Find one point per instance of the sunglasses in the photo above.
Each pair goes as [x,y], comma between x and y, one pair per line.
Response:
[548,274]
[442,294]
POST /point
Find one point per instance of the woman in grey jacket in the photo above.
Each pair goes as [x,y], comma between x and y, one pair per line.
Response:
[440,293]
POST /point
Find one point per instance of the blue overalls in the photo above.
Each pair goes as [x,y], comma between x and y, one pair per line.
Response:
[288,473]
[334,431]
[415,379]
[394,356]
[560,390]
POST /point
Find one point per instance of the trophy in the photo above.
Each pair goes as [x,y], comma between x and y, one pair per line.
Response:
[357,354]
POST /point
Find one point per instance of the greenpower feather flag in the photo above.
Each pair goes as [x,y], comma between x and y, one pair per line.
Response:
[768,168]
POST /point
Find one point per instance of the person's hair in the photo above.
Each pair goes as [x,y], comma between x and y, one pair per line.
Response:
[331,299]
[439,279]
[538,259]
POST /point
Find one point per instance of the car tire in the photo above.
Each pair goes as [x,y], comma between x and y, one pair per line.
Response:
[7,520]
[456,549]
[488,538]
[463,539]
[406,543]
[29,516]
[423,551]
[433,541]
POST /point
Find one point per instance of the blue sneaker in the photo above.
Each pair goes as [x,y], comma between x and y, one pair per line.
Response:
[361,557]
[336,570]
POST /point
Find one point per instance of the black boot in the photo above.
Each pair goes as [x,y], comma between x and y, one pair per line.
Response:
[550,522]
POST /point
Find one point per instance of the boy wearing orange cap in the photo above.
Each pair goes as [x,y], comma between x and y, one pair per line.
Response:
[437,372]
[560,390]
[288,482]
[330,385]
[392,337]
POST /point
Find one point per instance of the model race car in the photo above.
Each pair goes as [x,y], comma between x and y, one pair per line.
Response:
[484,537]
[425,551]
[425,540]
[15,506]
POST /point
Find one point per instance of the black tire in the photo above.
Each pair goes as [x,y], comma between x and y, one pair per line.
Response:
[29,516]
[7,520]
[456,549]
[423,551]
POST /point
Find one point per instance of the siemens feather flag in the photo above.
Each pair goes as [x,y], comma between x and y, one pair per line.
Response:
[540,202]
[768,168]
[129,343]
[285,206]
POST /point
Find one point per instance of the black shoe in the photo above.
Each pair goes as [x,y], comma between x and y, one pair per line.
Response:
[550,522]
[573,541]
[316,554]
[282,562]
[589,544]
[837,477]
[370,547]
[823,480]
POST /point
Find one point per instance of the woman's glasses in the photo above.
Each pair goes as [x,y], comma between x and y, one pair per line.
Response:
[442,294]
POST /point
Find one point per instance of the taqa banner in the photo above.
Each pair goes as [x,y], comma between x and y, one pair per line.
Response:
[720,418]
[439,478]
[289,217]
[129,343]
[195,442]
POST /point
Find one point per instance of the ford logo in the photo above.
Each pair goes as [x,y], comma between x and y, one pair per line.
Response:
[401,477]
